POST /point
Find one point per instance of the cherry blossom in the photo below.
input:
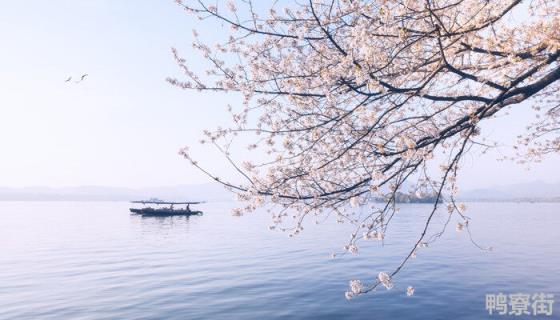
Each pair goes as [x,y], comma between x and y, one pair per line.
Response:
[409,291]
[348,103]
[385,280]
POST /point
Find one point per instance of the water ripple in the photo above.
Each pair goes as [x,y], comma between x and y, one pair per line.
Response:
[95,261]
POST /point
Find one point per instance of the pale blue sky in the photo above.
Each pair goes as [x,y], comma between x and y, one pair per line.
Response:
[124,125]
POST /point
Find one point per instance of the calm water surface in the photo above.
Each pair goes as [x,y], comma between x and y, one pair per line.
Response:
[93,260]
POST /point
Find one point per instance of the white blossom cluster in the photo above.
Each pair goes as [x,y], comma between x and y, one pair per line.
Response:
[348,101]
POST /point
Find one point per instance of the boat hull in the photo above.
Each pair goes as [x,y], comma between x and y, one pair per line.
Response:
[163,212]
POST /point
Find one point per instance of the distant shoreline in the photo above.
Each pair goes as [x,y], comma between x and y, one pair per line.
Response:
[535,192]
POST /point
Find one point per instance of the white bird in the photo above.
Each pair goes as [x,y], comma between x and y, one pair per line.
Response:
[82,78]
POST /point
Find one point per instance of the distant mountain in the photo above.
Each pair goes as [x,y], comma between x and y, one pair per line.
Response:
[200,192]
[530,191]
[533,191]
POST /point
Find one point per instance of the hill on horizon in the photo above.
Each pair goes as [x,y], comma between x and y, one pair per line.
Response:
[198,192]
[535,190]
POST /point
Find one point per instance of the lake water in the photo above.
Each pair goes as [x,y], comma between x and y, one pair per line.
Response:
[93,260]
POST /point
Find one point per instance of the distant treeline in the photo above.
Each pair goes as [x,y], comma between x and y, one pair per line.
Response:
[401,197]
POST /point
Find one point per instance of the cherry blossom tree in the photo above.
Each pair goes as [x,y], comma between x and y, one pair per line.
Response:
[353,102]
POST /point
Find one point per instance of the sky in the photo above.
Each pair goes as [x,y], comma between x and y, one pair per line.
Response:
[123,125]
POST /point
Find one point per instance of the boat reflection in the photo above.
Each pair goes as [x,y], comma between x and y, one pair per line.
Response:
[161,226]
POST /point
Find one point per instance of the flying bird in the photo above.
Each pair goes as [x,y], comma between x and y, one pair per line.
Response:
[82,78]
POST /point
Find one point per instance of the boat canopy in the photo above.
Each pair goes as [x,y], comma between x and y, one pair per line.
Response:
[165,202]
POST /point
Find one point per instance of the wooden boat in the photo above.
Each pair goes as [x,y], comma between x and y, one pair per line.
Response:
[165,208]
